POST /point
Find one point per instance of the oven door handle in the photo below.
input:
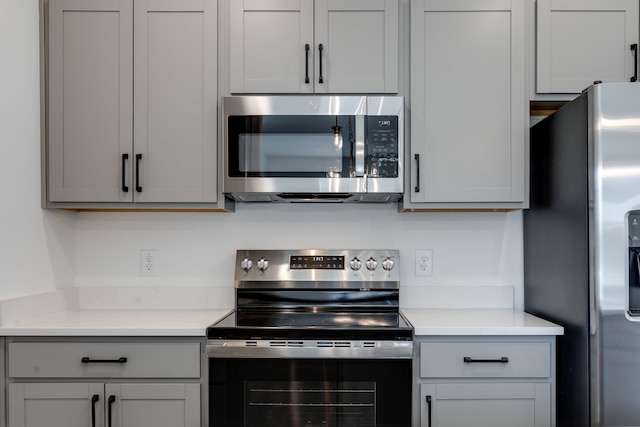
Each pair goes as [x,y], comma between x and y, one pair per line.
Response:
[242,349]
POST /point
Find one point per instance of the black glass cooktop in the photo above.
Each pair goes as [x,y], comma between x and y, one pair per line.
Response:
[259,324]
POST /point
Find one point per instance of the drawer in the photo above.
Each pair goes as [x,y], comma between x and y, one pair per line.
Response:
[485,359]
[103,360]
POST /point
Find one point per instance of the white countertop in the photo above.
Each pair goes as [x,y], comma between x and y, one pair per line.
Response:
[184,322]
[441,321]
[118,323]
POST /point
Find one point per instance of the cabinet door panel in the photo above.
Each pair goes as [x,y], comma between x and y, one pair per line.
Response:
[155,405]
[90,102]
[174,98]
[360,40]
[469,107]
[579,42]
[487,404]
[267,46]
[54,404]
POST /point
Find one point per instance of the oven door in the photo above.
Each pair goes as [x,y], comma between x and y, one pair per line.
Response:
[310,392]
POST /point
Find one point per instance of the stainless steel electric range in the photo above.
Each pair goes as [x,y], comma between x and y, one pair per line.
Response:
[316,339]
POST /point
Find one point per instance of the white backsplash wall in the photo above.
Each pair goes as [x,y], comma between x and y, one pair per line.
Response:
[476,250]
[36,246]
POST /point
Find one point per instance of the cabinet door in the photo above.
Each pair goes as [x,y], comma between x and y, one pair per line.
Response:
[55,404]
[360,46]
[90,99]
[267,46]
[153,405]
[580,41]
[468,103]
[486,405]
[175,85]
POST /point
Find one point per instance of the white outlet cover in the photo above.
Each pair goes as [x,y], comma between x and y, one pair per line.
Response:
[424,262]
[149,262]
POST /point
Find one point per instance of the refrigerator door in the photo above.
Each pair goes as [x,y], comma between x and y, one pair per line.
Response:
[585,184]
[616,194]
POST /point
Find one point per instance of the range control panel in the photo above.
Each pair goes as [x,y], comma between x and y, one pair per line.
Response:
[319,267]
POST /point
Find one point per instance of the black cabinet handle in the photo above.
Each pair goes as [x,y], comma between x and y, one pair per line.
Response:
[112,399]
[306,63]
[90,360]
[417,157]
[125,157]
[634,49]
[94,399]
[429,410]
[471,360]
[320,49]
[138,187]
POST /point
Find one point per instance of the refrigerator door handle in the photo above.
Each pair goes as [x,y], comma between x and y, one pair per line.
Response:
[634,282]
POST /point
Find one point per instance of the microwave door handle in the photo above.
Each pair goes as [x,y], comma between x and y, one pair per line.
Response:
[360,145]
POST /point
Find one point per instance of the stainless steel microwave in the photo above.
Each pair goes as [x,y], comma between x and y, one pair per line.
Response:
[313,148]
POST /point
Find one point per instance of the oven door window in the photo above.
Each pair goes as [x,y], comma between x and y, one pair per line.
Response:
[311,403]
[310,392]
[291,146]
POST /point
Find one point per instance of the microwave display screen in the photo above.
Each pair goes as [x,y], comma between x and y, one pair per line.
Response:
[382,146]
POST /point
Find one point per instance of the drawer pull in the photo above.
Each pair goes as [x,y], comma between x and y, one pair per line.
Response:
[503,359]
[90,360]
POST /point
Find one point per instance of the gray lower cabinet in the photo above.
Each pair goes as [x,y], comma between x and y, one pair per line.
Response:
[486,381]
[105,384]
[98,404]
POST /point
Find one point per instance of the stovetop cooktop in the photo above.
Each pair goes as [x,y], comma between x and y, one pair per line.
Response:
[308,325]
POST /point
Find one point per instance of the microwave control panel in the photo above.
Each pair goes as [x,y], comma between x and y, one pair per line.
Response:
[382,146]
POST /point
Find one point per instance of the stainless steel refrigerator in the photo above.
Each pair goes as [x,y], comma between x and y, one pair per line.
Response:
[581,251]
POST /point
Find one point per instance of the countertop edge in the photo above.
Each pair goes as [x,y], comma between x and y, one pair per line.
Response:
[480,322]
[123,323]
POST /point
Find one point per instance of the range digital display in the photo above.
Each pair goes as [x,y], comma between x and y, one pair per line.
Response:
[316,262]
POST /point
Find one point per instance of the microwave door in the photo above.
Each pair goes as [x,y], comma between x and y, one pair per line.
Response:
[295,146]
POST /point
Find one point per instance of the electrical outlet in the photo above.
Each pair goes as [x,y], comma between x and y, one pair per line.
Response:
[149,262]
[424,262]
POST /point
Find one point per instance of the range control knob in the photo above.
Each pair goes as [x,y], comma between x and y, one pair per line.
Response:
[388,263]
[246,264]
[355,264]
[262,264]
[372,264]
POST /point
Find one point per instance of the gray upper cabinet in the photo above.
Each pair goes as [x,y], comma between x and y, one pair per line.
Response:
[579,42]
[90,99]
[132,102]
[307,46]
[469,106]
